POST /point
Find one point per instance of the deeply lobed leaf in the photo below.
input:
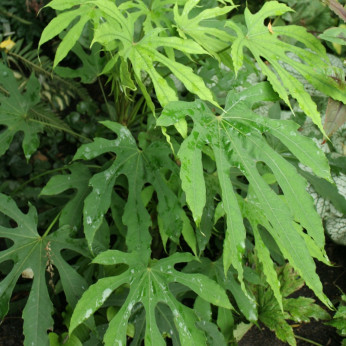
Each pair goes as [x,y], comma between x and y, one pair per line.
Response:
[149,285]
[140,167]
[236,138]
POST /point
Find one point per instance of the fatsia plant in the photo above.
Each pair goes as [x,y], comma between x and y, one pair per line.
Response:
[193,172]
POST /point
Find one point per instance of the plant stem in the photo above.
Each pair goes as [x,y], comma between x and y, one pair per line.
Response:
[307,340]
[51,225]
[105,98]
[60,128]
[37,177]
[11,15]
[45,173]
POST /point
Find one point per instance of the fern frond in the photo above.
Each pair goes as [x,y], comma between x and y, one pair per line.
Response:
[44,116]
[43,66]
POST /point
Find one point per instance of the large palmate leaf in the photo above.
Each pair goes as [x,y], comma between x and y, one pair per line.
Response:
[148,282]
[236,139]
[140,167]
[36,257]
[312,63]
[117,34]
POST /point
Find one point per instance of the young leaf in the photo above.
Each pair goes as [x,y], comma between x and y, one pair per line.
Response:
[299,309]
[303,309]
[236,140]
[265,44]
[149,285]
[33,256]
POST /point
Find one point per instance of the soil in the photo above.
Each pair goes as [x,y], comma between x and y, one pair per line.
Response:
[333,279]
[11,331]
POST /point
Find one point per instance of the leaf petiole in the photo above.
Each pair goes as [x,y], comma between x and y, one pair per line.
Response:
[51,225]
[45,173]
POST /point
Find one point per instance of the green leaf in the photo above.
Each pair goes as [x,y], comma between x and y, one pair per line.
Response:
[225,322]
[264,43]
[214,337]
[268,266]
[33,256]
[336,35]
[156,13]
[144,54]
[16,112]
[21,111]
[275,321]
[191,175]
[140,167]
[214,270]
[63,4]
[58,24]
[337,8]
[149,286]
[92,65]
[299,309]
[237,141]
[143,57]
[339,319]
[71,38]
[211,35]
[302,309]
[62,22]
[78,180]
[335,116]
